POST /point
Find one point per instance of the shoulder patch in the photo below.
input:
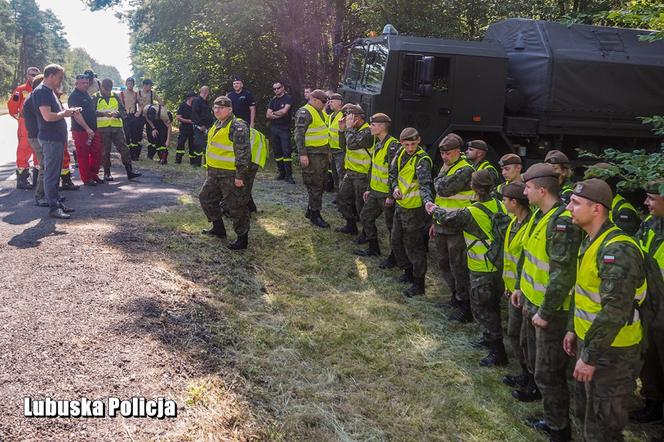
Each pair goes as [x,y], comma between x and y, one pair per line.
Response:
[561,228]
[609,259]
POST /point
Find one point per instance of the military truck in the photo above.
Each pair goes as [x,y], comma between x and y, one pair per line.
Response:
[528,87]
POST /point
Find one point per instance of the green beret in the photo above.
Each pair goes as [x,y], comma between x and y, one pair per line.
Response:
[319,94]
[223,101]
[556,157]
[482,178]
[380,118]
[409,134]
[510,158]
[595,190]
[540,170]
[514,190]
[336,97]
[478,144]
[450,142]
[354,109]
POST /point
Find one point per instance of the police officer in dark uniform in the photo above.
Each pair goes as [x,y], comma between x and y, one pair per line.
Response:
[201,118]
[186,135]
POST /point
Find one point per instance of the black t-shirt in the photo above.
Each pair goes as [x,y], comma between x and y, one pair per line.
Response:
[201,113]
[278,103]
[30,118]
[242,103]
[82,99]
[54,130]
[185,112]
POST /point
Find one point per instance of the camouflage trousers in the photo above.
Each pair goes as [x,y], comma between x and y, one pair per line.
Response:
[337,164]
[514,324]
[314,177]
[652,374]
[550,365]
[409,239]
[486,290]
[219,186]
[113,136]
[372,209]
[451,254]
[349,198]
[600,403]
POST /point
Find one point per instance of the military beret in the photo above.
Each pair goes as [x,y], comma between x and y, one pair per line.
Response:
[595,190]
[540,170]
[409,134]
[514,190]
[223,101]
[336,96]
[556,157]
[318,94]
[655,187]
[510,158]
[380,118]
[478,144]
[354,109]
[481,178]
[610,169]
[450,142]
[236,78]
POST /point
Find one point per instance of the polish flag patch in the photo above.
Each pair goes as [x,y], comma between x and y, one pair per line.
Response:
[561,228]
[609,259]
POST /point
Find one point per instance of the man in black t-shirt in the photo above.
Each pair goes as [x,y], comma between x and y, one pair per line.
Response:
[244,104]
[279,114]
[183,115]
[84,132]
[201,118]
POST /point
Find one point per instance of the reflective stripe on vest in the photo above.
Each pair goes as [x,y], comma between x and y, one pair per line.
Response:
[408,184]
[486,165]
[111,106]
[476,249]
[220,153]
[258,148]
[358,160]
[333,124]
[512,250]
[617,205]
[535,272]
[380,167]
[647,245]
[587,299]
[317,132]
[461,199]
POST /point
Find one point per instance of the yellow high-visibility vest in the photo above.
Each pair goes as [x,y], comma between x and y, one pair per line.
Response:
[619,203]
[587,299]
[220,153]
[379,166]
[512,250]
[647,244]
[317,133]
[461,199]
[333,124]
[113,105]
[408,184]
[358,160]
[476,249]
[259,148]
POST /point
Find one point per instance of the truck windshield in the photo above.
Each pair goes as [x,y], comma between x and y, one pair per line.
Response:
[366,67]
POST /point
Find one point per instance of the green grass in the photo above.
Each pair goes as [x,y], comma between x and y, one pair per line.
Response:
[326,345]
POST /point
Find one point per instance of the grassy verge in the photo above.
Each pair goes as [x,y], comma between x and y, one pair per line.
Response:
[327,347]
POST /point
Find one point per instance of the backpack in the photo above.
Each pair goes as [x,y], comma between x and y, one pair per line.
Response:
[499,223]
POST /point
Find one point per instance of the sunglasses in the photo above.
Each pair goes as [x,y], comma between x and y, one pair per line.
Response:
[277,88]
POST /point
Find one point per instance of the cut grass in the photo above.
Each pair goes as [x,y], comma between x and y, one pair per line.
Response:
[326,344]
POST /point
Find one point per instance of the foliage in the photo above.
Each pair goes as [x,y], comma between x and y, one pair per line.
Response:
[644,14]
[78,60]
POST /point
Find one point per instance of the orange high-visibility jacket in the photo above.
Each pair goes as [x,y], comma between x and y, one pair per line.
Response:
[15,103]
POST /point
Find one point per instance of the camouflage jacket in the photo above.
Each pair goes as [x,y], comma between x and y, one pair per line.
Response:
[495,175]
[239,135]
[626,218]
[423,171]
[302,121]
[450,185]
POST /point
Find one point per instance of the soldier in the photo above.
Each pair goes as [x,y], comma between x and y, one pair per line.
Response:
[561,164]
[547,277]
[453,192]
[158,120]
[517,205]
[357,141]
[476,152]
[228,157]
[606,340]
[510,168]
[411,187]
[623,214]
[335,120]
[486,284]
[186,133]
[109,111]
[23,150]
[651,236]
[133,126]
[311,139]
[377,195]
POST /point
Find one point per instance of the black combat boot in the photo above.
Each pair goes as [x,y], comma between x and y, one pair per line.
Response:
[407,276]
[288,173]
[496,357]
[390,262]
[651,412]
[350,227]
[530,393]
[480,344]
[218,229]
[538,424]
[564,435]
[307,215]
[240,243]
[66,183]
[22,180]
[416,288]
[178,158]
[362,238]
[252,205]
[107,174]
[130,172]
[282,171]
[517,380]
[152,150]
[463,314]
[318,220]
[373,250]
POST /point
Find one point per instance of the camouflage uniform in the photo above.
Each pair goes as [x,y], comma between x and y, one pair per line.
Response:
[450,245]
[113,136]
[514,314]
[566,191]
[409,231]
[219,184]
[354,183]
[315,175]
[600,403]
[545,355]
[626,218]
[375,205]
[495,175]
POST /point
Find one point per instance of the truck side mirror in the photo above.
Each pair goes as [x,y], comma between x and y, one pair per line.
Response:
[424,71]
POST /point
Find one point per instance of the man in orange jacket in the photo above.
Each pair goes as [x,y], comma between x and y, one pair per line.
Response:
[24,151]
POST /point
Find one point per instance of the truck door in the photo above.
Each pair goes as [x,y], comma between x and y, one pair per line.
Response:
[425,100]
